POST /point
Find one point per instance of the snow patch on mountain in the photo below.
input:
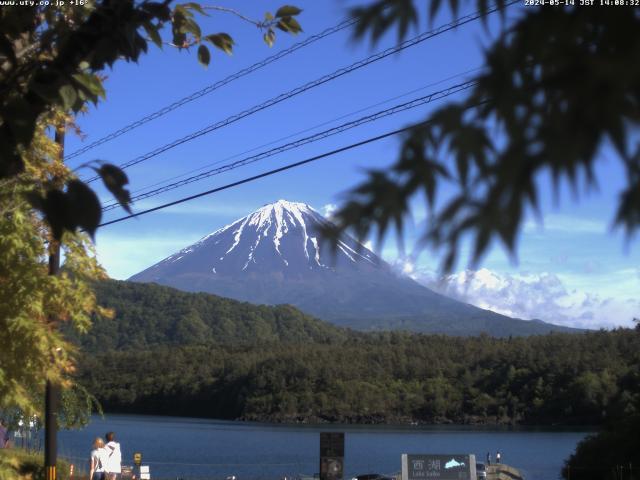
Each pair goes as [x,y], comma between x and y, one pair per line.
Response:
[314,240]
[281,235]
[238,234]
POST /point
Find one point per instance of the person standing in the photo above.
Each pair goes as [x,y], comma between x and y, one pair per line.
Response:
[498,457]
[97,460]
[113,465]
[488,458]
[5,435]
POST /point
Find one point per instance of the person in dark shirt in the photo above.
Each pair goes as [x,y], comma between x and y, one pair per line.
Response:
[5,435]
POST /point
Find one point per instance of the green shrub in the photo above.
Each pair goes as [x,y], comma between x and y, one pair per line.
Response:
[18,464]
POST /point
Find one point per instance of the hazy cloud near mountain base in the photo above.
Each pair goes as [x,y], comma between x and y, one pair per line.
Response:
[531,296]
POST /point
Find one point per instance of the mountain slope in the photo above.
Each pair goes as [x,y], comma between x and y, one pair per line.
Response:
[152,315]
[275,256]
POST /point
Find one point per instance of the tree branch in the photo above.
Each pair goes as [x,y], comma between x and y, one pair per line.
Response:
[234,12]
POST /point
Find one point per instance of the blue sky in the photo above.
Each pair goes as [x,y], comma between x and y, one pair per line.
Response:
[571,268]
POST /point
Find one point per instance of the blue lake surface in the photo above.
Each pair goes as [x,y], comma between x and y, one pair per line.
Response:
[198,449]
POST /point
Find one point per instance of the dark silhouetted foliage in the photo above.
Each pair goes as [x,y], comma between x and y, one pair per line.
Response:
[558,85]
[54,57]
[613,454]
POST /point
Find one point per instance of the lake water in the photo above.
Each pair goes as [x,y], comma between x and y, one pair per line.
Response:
[198,449]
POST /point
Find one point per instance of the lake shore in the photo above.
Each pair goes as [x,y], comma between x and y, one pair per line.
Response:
[379,419]
[196,448]
[374,420]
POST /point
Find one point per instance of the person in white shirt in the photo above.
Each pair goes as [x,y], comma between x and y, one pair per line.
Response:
[113,465]
[97,460]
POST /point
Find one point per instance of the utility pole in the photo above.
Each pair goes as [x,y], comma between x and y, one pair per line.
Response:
[52,392]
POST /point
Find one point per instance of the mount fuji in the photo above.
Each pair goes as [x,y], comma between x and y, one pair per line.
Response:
[275,256]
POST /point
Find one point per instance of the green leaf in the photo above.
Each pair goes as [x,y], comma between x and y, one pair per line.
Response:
[35,200]
[115,179]
[270,37]
[161,11]
[77,207]
[179,39]
[454,7]
[189,25]
[283,26]
[20,117]
[68,95]
[289,25]
[11,163]
[195,6]
[152,31]
[55,207]
[84,207]
[178,28]
[268,16]
[433,10]
[223,41]
[181,12]
[287,11]
[91,84]
[204,57]
[46,84]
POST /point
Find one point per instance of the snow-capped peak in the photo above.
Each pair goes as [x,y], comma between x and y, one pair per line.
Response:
[280,235]
[262,217]
[274,220]
[282,205]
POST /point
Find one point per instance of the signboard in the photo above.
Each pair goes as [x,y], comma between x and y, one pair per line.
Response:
[331,455]
[442,467]
[144,472]
[126,472]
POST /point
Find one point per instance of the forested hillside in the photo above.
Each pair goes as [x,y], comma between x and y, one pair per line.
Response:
[149,315]
[390,377]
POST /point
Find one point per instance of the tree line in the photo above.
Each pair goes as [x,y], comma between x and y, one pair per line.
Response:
[376,378]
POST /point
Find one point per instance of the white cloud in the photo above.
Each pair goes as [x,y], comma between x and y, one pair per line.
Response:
[566,224]
[408,267]
[541,296]
[329,209]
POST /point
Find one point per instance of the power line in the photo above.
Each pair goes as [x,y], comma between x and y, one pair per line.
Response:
[270,172]
[304,141]
[210,88]
[300,142]
[305,130]
[257,177]
[308,86]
